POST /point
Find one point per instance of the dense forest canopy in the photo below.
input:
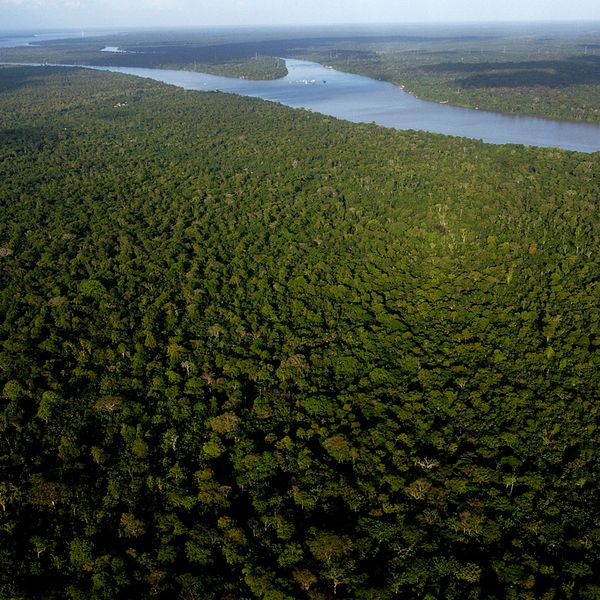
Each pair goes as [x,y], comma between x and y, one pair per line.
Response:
[252,352]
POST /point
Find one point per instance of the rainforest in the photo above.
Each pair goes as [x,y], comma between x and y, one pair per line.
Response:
[248,351]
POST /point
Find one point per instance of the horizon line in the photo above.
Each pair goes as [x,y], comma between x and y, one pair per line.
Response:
[72,28]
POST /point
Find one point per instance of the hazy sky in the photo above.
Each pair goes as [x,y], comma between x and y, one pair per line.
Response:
[120,13]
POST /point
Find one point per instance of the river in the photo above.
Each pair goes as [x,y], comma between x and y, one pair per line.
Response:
[361,99]
[364,100]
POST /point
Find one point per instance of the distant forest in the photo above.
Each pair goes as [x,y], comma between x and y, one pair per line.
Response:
[550,71]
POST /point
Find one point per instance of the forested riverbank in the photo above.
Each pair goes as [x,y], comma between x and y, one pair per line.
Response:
[252,352]
[549,71]
[246,64]
[562,88]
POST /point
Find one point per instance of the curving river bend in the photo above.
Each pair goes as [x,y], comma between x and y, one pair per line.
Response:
[364,100]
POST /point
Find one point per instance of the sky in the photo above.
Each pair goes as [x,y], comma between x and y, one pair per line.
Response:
[23,14]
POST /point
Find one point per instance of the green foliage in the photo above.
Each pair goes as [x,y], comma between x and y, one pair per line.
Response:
[229,61]
[247,351]
[552,74]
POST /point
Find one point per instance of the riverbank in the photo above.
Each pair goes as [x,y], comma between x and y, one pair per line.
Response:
[363,100]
